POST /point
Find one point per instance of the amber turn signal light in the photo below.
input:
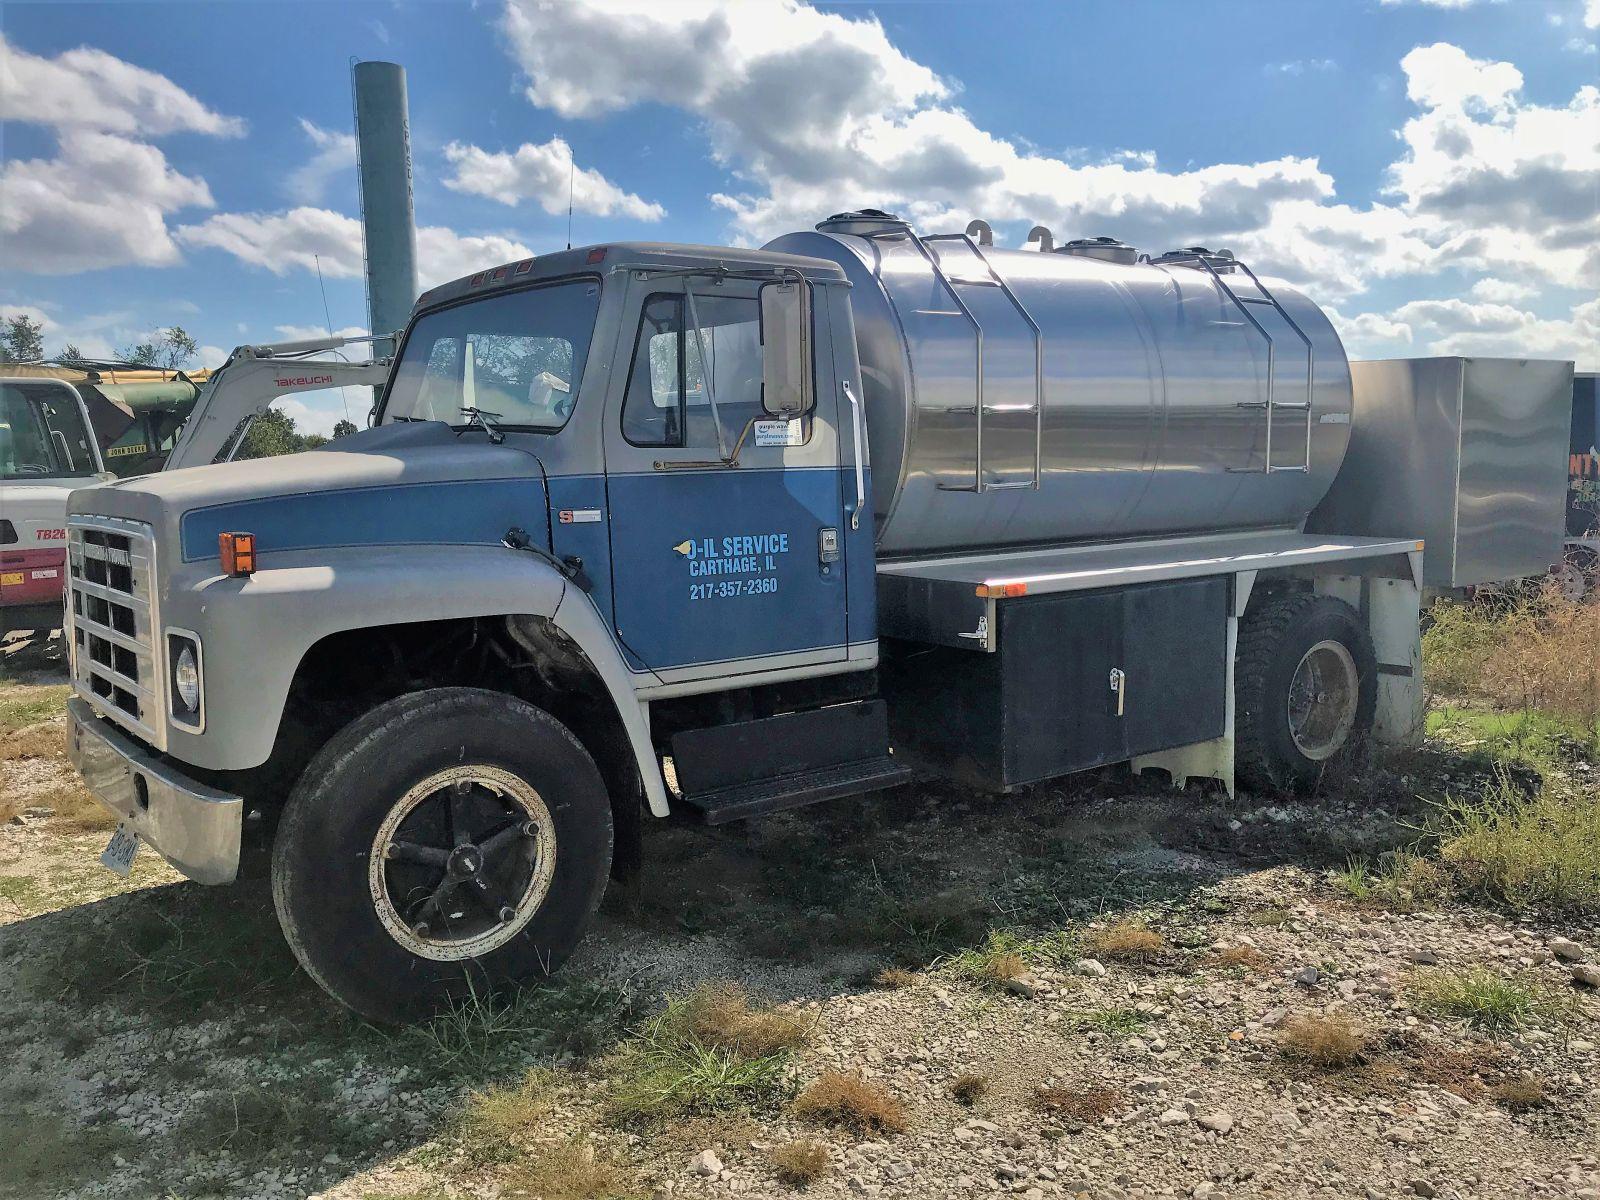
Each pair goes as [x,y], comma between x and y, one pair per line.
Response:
[238,553]
[999,591]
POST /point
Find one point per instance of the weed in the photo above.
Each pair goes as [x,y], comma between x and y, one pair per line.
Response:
[1269,918]
[894,978]
[969,1089]
[1244,958]
[1479,997]
[704,1053]
[800,1163]
[1126,941]
[260,1123]
[1534,653]
[1539,851]
[492,1125]
[1329,1043]
[1520,1094]
[40,1153]
[1119,1022]
[572,1169]
[487,1035]
[841,1098]
[1079,1103]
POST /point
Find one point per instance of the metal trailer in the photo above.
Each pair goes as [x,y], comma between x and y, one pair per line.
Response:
[647,529]
[1577,572]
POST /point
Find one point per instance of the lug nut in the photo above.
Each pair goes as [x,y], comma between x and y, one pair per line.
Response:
[506,914]
[530,829]
[420,929]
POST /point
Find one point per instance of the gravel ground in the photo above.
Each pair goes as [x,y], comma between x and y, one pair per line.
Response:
[159,1041]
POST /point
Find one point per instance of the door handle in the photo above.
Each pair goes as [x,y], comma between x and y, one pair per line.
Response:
[1119,685]
[860,455]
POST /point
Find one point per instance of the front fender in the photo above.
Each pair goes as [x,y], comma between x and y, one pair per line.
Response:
[256,630]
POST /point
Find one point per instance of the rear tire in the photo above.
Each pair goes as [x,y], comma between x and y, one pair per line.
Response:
[449,843]
[1305,689]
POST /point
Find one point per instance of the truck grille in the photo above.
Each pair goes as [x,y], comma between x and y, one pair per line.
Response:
[112,614]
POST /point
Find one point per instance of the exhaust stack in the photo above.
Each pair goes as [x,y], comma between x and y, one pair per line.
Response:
[388,226]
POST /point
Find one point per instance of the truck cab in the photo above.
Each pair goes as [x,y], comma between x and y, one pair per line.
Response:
[600,487]
[46,450]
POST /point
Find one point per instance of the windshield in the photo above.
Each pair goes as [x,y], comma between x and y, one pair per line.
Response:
[517,356]
[42,434]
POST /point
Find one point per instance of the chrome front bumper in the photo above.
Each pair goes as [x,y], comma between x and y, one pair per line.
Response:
[194,827]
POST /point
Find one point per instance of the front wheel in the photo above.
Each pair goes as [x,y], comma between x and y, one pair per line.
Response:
[448,843]
[1305,690]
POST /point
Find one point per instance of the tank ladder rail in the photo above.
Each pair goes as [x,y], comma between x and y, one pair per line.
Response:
[978,483]
[1271,404]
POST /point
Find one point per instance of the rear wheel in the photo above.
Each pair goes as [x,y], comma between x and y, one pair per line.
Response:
[448,843]
[1305,690]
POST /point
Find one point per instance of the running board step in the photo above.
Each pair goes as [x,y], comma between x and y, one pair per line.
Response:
[793,791]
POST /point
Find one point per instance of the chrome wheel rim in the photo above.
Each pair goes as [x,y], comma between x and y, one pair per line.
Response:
[462,862]
[1323,695]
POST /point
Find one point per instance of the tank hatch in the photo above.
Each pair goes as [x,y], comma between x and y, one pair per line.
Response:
[863,221]
[1106,249]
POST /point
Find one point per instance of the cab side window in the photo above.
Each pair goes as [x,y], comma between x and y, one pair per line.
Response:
[678,370]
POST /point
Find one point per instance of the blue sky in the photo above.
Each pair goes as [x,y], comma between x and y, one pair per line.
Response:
[1428,170]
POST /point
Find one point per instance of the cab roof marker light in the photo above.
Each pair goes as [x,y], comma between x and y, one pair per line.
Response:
[1000,591]
[598,254]
[238,553]
[524,267]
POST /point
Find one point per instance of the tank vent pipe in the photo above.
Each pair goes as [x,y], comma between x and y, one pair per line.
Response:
[1044,237]
[981,231]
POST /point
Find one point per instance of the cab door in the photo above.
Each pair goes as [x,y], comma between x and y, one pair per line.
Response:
[725,520]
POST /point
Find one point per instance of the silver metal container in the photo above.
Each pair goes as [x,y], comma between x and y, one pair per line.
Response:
[1018,398]
[1469,454]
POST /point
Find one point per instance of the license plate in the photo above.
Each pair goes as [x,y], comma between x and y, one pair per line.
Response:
[118,855]
[47,574]
[10,578]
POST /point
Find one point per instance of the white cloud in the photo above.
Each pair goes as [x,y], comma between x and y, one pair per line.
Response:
[1460,327]
[335,153]
[102,202]
[318,412]
[1578,45]
[542,173]
[1300,66]
[1436,3]
[1495,182]
[1502,291]
[286,241]
[306,333]
[90,89]
[1591,14]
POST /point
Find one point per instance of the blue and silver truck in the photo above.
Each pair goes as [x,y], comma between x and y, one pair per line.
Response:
[648,529]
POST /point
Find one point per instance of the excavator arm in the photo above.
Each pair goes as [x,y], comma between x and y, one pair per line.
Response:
[245,386]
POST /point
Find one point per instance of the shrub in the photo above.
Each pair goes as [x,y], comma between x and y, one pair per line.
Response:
[969,1089]
[841,1098]
[1126,941]
[569,1170]
[492,1125]
[1246,958]
[800,1163]
[1519,1094]
[1079,1103]
[1330,1043]
[894,978]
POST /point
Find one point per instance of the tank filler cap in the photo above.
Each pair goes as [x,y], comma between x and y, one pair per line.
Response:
[1106,249]
[1219,259]
[864,221]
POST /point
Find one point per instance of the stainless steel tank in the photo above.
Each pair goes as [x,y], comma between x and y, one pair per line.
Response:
[1118,399]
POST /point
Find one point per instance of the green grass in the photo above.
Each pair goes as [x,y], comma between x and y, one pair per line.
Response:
[268,1122]
[1005,954]
[1481,998]
[696,1058]
[486,1037]
[1399,879]
[1119,1022]
[1528,737]
[39,704]
[42,1153]
[1539,851]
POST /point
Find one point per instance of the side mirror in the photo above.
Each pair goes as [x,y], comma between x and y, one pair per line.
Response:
[786,349]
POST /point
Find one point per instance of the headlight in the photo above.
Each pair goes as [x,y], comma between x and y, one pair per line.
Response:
[183,653]
[186,680]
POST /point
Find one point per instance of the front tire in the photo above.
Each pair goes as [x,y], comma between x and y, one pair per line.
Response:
[1305,688]
[448,843]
